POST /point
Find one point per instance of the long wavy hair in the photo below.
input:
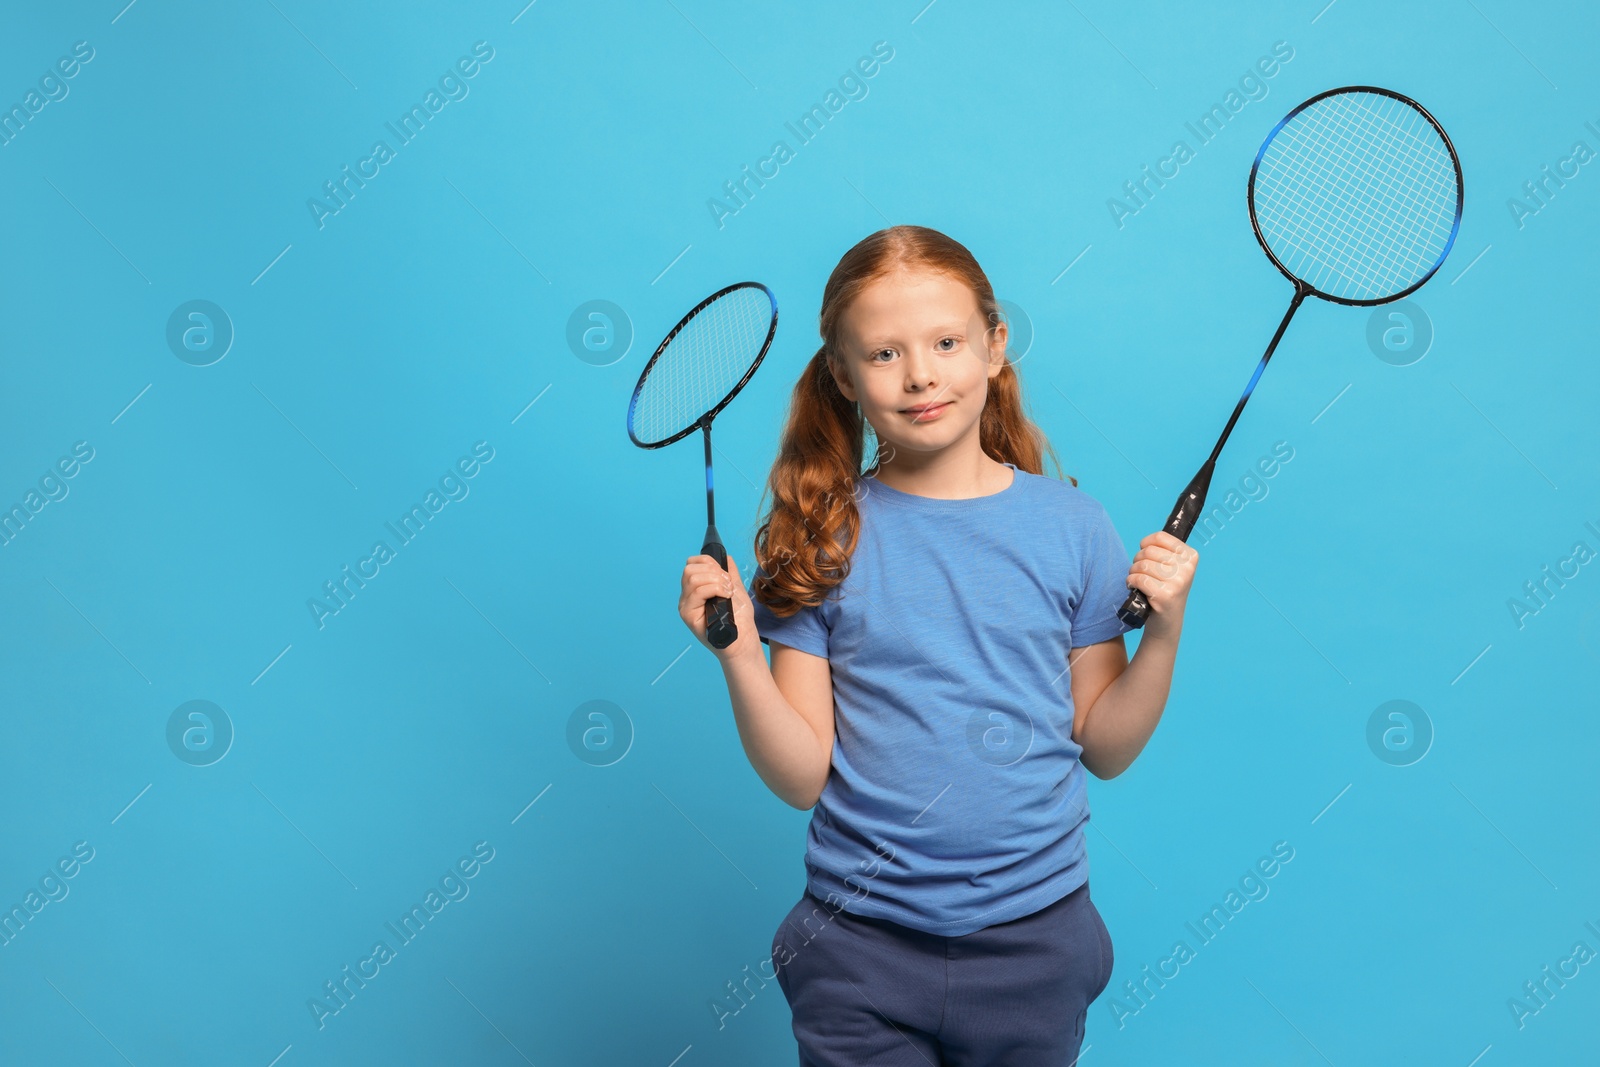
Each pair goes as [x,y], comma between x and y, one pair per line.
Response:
[805,542]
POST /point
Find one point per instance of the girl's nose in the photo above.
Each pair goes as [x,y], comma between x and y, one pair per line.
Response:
[920,370]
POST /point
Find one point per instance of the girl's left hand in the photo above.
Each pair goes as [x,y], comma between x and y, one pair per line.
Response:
[1163,570]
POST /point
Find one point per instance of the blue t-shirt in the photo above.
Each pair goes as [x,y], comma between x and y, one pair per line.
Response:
[956,800]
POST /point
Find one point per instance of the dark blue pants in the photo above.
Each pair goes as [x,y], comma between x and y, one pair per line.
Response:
[867,992]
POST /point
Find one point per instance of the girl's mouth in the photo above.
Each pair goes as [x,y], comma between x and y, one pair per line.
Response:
[926,412]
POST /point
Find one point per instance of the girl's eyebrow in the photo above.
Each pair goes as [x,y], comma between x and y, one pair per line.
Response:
[948,328]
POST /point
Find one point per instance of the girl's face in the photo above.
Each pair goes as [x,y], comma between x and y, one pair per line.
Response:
[917,355]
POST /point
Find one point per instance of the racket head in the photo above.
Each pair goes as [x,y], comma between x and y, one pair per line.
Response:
[702,363]
[1356,195]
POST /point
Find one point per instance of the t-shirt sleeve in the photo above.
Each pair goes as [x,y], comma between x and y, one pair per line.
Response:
[806,629]
[1105,585]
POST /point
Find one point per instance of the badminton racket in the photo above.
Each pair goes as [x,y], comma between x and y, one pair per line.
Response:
[1356,197]
[698,368]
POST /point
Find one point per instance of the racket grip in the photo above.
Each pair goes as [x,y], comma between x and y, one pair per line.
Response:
[1185,513]
[720,629]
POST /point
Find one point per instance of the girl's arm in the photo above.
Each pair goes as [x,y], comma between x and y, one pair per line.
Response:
[784,713]
[1117,704]
[792,750]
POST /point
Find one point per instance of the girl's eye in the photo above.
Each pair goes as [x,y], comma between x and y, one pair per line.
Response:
[946,344]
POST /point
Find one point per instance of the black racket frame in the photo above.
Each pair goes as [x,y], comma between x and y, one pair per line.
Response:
[1311,290]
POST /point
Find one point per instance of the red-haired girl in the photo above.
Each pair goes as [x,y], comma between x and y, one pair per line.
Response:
[946,664]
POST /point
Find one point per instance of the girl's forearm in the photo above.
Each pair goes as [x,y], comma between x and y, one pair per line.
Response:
[1121,721]
[782,747]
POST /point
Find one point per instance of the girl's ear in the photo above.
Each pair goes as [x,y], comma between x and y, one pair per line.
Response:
[996,339]
[992,329]
[842,380]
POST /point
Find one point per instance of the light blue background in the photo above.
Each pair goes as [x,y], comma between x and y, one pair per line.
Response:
[428,714]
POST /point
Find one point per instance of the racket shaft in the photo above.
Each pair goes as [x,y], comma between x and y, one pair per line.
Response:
[1272,346]
[1192,500]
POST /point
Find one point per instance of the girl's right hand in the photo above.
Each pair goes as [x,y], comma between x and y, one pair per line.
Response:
[703,579]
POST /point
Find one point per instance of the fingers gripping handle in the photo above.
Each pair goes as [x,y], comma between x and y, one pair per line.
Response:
[1180,523]
[720,630]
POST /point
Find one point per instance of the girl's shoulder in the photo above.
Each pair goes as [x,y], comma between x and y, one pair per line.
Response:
[1059,493]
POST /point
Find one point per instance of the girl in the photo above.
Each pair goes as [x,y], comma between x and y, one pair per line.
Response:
[921,698]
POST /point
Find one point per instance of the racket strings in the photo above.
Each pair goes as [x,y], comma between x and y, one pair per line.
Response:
[1326,211]
[1359,199]
[1356,195]
[1386,182]
[1414,240]
[702,364]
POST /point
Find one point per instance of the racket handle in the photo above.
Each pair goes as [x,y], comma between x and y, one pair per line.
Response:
[720,630]
[1185,513]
